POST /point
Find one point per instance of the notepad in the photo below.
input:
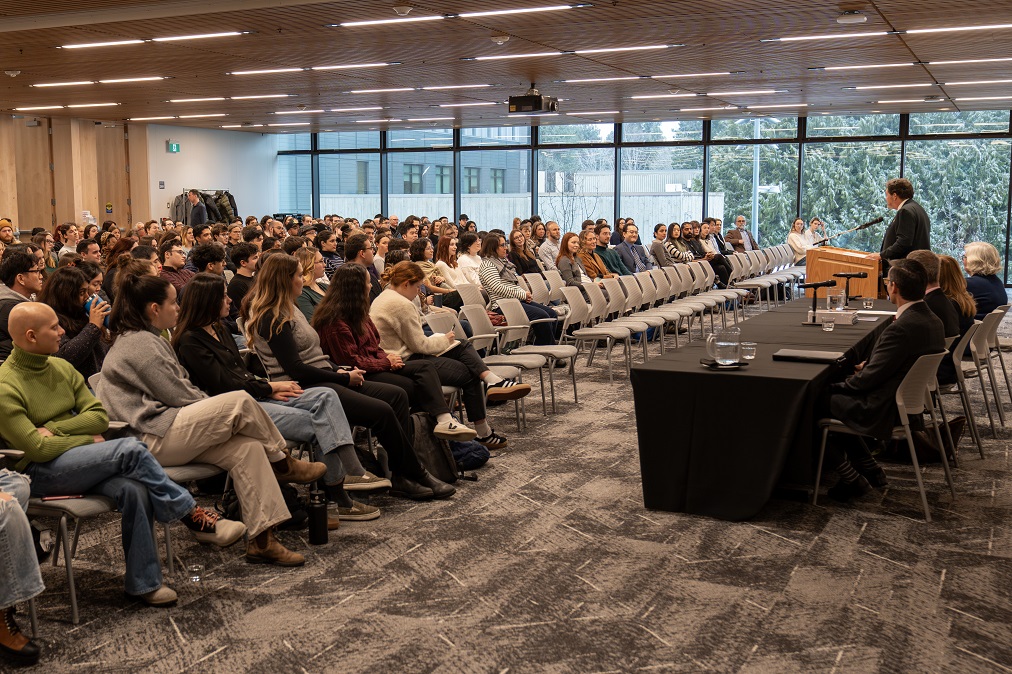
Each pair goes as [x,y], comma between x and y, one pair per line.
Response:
[806,356]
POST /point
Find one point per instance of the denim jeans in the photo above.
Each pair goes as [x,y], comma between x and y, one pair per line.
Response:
[20,579]
[316,416]
[123,470]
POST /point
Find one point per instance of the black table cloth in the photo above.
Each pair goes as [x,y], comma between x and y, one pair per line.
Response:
[716,443]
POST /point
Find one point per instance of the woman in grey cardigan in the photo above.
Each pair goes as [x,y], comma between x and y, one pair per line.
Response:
[657,248]
[144,385]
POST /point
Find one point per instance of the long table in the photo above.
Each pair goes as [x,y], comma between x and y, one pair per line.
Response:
[716,443]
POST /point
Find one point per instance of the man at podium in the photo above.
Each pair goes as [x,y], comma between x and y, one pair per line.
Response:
[910,229]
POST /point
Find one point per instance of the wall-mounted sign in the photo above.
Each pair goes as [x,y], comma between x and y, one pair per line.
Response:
[172,146]
[108,207]
[161,184]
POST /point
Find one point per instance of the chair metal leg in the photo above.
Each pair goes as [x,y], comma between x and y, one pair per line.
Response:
[572,373]
[77,533]
[983,392]
[994,389]
[544,402]
[1001,360]
[917,472]
[964,398]
[818,470]
[937,399]
[941,450]
[33,617]
[551,384]
[170,563]
[69,563]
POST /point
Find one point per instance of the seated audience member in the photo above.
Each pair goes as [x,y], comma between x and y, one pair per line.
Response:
[290,351]
[797,239]
[611,259]
[47,412]
[816,231]
[677,247]
[69,236]
[468,260]
[447,263]
[200,234]
[568,262]
[657,250]
[90,250]
[721,267]
[141,253]
[360,250]
[396,318]
[740,237]
[208,257]
[940,306]
[253,234]
[68,260]
[21,275]
[20,578]
[270,243]
[144,385]
[85,340]
[499,279]
[421,253]
[549,247]
[866,400]
[520,254]
[206,349]
[49,257]
[592,262]
[172,257]
[953,285]
[312,265]
[633,255]
[245,256]
[382,247]
[93,274]
[982,265]
[327,243]
[292,244]
[348,335]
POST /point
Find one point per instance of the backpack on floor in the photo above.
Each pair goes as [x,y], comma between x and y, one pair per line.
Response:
[469,455]
[433,453]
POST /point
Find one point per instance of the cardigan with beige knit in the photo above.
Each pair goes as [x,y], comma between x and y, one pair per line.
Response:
[400,327]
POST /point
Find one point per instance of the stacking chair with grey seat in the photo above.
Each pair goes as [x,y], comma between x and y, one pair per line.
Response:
[980,350]
[581,318]
[913,397]
[959,387]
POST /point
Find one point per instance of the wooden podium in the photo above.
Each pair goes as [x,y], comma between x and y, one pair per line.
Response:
[825,261]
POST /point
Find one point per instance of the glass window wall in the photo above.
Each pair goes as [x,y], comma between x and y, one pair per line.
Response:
[662,184]
[827,126]
[295,183]
[576,185]
[758,182]
[504,187]
[350,184]
[420,183]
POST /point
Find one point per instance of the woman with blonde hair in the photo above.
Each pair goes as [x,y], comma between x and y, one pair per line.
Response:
[313,267]
[798,242]
[982,264]
[186,237]
[290,351]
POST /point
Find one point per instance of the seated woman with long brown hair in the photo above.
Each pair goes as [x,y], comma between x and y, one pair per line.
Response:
[85,340]
[290,350]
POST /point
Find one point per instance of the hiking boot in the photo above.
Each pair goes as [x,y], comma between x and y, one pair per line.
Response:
[267,549]
[298,472]
[358,512]
[209,527]
[15,647]
[366,482]
[494,441]
[507,389]
[160,598]
[451,430]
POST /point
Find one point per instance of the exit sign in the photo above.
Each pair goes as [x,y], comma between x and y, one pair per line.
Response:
[172,146]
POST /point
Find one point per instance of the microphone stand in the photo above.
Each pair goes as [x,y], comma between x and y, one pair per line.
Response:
[848,231]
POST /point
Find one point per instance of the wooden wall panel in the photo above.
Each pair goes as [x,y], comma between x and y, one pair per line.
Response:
[8,171]
[113,187]
[75,183]
[34,179]
[139,176]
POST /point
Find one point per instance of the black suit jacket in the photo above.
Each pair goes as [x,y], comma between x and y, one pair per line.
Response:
[909,230]
[943,307]
[866,401]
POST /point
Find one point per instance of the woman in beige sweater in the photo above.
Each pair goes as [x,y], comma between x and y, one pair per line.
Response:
[457,363]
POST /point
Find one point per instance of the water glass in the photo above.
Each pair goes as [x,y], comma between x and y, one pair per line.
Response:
[194,572]
[833,302]
[828,323]
[869,302]
[748,350]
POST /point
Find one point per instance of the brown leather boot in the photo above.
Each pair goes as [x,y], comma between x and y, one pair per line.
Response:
[15,647]
[299,472]
[267,549]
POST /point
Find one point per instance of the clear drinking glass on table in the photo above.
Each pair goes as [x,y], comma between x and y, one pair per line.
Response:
[748,350]
[828,323]
[869,302]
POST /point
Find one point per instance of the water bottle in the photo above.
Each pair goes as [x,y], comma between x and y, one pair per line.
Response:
[317,517]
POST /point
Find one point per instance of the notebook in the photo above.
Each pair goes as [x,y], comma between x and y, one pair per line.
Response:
[806,356]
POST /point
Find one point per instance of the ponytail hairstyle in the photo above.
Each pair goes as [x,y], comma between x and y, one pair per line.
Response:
[122,246]
[200,306]
[129,267]
[135,293]
[271,296]
[346,299]
[402,272]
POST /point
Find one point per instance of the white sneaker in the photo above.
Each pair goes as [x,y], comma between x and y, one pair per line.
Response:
[453,430]
[163,596]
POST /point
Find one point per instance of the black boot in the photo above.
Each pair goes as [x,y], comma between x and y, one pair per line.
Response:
[403,487]
[439,488]
[15,647]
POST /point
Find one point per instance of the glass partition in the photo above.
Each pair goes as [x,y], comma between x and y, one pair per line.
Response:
[497,187]
[420,183]
[662,184]
[576,185]
[350,184]
[853,125]
[758,182]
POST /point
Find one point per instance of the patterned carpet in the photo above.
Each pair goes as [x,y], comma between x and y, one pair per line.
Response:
[550,563]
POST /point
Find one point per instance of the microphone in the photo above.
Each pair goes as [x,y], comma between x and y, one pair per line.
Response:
[822,284]
[852,274]
[872,222]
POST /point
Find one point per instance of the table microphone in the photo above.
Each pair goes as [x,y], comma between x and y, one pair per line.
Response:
[821,284]
[815,296]
[852,274]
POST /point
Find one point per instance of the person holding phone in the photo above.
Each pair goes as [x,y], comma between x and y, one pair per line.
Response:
[83,317]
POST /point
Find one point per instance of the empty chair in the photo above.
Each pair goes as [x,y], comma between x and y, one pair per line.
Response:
[515,316]
[579,316]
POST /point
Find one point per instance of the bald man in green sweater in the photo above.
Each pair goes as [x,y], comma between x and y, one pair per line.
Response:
[47,411]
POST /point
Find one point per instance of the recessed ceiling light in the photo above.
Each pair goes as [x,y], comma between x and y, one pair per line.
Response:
[754,92]
[514,56]
[195,100]
[686,75]
[594,113]
[62,84]
[951,29]
[202,36]
[248,98]
[297,112]
[430,119]
[866,67]
[467,105]
[722,107]
[374,107]
[605,79]
[87,45]
[832,36]
[651,96]
[906,100]
[126,80]
[621,49]
[464,15]
[349,66]
[961,61]
[984,98]
[381,91]
[956,84]
[891,86]
[149,119]
[92,105]
[457,86]
[526,10]
[290,124]
[778,105]
[215,114]
[269,71]
[375,121]
[40,107]
[380,22]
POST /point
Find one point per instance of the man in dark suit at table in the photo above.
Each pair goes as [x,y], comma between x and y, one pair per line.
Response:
[910,229]
[865,401]
[942,307]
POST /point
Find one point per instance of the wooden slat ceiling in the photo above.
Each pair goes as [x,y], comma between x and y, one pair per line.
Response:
[718,36]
